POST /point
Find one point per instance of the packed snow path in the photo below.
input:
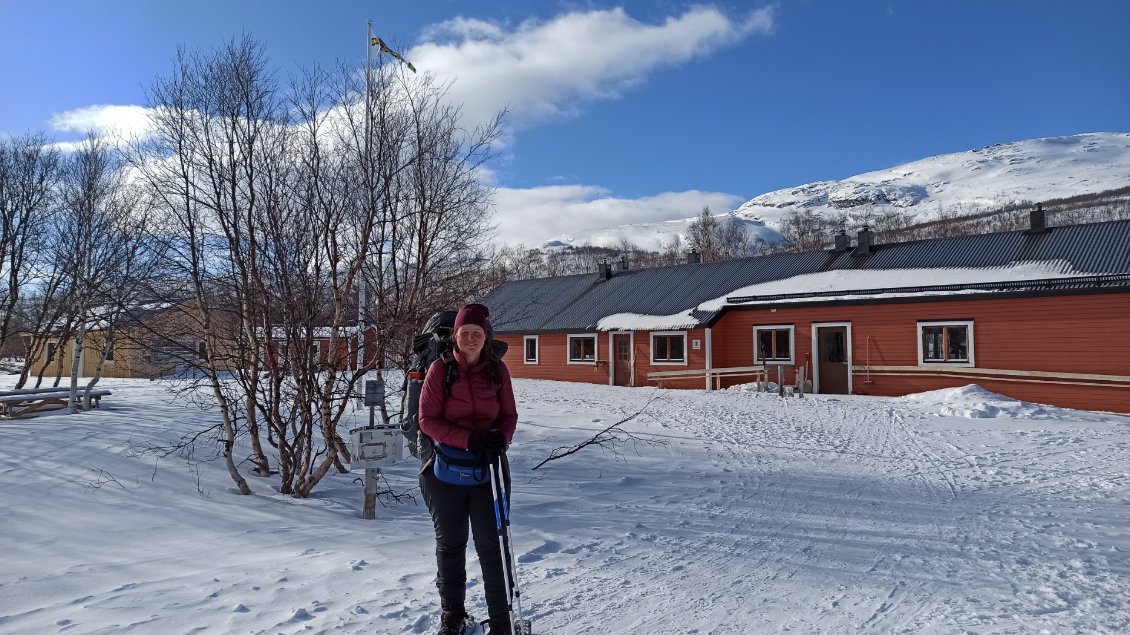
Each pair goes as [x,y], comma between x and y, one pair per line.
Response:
[843,514]
[735,512]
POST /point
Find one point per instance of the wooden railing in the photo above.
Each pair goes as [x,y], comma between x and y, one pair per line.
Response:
[712,376]
[998,374]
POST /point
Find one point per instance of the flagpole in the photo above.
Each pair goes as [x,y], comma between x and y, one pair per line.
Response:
[368,160]
[369,506]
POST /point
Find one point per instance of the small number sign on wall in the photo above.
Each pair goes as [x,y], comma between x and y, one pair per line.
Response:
[696,344]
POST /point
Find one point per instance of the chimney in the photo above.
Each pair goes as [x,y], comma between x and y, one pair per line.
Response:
[693,257]
[605,270]
[623,263]
[842,241]
[1038,219]
[865,241]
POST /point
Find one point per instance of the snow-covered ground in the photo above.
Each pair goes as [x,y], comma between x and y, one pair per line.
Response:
[956,511]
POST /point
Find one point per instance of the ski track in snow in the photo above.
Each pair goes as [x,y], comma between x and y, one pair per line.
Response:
[735,512]
[835,514]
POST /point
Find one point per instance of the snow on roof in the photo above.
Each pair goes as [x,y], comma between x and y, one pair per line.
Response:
[848,280]
[640,322]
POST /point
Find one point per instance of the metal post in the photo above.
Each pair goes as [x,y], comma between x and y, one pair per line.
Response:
[781,380]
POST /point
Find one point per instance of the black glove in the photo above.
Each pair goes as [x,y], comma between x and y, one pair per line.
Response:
[488,445]
[497,441]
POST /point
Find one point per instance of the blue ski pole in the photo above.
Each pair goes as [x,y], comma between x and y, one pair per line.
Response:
[518,625]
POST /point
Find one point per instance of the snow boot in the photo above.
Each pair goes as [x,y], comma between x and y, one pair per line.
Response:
[501,627]
[453,623]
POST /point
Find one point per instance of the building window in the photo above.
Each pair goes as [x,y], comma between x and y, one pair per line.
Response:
[51,351]
[202,351]
[110,352]
[582,349]
[945,343]
[773,344]
[669,347]
[530,344]
[316,352]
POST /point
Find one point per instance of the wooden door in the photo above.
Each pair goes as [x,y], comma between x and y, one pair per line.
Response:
[622,356]
[832,359]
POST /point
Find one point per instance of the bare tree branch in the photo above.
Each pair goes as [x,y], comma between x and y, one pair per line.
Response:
[607,439]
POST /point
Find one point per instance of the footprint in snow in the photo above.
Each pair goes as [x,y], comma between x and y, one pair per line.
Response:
[240,608]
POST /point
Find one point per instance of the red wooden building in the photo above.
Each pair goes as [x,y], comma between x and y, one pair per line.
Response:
[1041,315]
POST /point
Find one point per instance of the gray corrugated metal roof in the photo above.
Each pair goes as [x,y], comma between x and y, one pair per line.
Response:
[524,306]
[577,303]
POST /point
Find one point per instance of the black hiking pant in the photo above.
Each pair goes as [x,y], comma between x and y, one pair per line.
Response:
[453,508]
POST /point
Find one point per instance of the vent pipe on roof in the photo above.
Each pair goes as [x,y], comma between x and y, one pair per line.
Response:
[843,241]
[693,257]
[605,270]
[1038,220]
[865,240]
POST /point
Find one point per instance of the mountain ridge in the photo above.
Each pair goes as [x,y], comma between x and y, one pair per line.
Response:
[970,182]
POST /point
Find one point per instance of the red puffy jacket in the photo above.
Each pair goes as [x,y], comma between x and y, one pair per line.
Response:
[473,405]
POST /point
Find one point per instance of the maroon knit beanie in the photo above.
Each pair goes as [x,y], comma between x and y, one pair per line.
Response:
[472,314]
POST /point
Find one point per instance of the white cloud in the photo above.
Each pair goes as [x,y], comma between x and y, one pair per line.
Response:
[539,69]
[113,121]
[533,215]
[547,70]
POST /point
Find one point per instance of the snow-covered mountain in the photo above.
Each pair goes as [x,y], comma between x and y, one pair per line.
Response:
[656,236]
[963,182]
[966,182]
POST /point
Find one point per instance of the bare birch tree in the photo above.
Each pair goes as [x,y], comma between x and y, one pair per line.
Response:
[90,206]
[284,201]
[28,174]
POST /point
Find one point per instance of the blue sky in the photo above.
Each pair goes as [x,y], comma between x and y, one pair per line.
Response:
[633,111]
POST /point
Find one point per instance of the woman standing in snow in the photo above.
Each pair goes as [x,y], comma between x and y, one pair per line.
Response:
[477,414]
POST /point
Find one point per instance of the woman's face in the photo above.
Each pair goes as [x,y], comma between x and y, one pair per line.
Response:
[470,339]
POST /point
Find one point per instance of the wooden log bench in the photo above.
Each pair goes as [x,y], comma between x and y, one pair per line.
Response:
[27,401]
[712,376]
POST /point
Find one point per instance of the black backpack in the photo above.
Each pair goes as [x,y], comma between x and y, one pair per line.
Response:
[433,343]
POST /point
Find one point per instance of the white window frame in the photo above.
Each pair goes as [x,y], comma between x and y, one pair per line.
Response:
[968,324]
[655,362]
[595,348]
[537,349]
[791,328]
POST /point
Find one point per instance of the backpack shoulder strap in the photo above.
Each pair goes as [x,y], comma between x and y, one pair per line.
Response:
[451,371]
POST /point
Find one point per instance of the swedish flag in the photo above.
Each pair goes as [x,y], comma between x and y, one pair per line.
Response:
[376,41]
